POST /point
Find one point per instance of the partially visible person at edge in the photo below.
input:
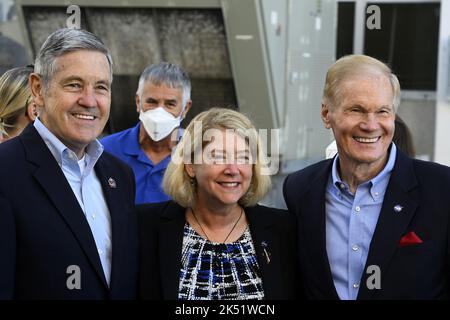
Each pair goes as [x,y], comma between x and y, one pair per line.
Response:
[372,222]
[213,241]
[162,101]
[17,108]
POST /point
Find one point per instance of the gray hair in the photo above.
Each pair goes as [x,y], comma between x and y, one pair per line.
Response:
[167,74]
[63,41]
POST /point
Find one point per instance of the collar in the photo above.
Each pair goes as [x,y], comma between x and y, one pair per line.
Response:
[131,145]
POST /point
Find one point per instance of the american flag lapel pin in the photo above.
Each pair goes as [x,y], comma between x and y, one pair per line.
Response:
[112,183]
[265,248]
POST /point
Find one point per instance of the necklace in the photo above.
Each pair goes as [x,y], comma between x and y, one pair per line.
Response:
[229,233]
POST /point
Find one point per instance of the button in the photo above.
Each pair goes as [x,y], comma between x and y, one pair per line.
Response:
[100,251]
[376,194]
[355,247]
[93,216]
[355,285]
[342,186]
[357,209]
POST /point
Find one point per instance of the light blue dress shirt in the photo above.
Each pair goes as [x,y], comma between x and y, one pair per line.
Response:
[350,223]
[86,186]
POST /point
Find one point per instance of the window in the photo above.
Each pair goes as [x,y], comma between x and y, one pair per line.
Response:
[407,40]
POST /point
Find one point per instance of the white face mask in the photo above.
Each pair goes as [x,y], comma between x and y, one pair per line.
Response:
[159,123]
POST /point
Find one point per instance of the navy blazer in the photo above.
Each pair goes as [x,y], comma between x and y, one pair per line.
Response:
[419,271]
[161,237]
[43,230]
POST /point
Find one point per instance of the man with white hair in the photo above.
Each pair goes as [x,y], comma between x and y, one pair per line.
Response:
[162,101]
[373,223]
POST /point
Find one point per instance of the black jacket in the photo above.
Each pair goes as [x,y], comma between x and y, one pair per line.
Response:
[161,237]
[420,271]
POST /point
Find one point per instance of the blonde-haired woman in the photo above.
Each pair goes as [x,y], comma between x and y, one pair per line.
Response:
[213,241]
[17,109]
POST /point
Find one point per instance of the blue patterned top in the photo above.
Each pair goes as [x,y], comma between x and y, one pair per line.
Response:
[218,271]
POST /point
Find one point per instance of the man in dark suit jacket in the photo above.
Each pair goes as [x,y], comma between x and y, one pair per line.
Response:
[373,223]
[67,227]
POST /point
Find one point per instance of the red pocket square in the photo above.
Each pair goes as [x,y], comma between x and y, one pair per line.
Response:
[409,239]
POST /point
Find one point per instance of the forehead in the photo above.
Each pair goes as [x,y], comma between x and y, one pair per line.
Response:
[85,64]
[162,90]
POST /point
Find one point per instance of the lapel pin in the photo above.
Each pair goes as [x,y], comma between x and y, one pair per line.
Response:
[266,253]
[112,183]
[398,208]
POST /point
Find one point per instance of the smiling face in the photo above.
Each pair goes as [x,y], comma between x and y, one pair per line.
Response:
[76,104]
[226,172]
[153,96]
[362,120]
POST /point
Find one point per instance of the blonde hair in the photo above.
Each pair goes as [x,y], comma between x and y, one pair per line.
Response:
[351,66]
[15,94]
[177,183]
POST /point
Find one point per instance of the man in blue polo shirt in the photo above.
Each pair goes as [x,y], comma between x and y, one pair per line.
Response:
[162,101]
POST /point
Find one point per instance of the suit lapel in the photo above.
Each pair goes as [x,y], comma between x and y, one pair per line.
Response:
[52,180]
[312,223]
[115,206]
[170,246]
[391,224]
[268,252]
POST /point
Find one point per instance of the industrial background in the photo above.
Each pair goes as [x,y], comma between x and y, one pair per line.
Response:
[266,58]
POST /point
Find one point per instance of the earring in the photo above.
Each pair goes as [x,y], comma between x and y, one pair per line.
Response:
[192,180]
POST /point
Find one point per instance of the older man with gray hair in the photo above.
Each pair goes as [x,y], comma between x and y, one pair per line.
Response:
[373,223]
[67,228]
[162,101]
